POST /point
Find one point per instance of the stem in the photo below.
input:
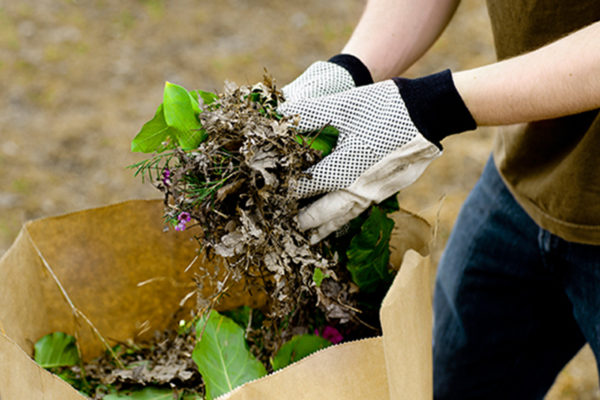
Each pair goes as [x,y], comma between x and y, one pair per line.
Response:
[318,133]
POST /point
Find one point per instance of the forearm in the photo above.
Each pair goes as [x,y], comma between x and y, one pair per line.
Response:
[559,79]
[393,34]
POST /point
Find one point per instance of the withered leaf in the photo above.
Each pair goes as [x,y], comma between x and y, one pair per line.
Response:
[230,188]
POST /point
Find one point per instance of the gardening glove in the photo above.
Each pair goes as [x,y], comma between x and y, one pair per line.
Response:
[338,74]
[388,133]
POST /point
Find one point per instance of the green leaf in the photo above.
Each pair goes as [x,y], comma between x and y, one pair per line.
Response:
[369,252]
[206,97]
[56,350]
[68,376]
[192,397]
[180,112]
[318,276]
[323,140]
[152,135]
[297,348]
[222,356]
[390,204]
[147,393]
[320,144]
[328,137]
[240,315]
[177,118]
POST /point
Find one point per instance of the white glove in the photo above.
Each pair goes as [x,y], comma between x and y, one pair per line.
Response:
[338,74]
[384,144]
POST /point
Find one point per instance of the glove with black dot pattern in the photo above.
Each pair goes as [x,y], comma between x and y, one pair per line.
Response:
[338,74]
[389,132]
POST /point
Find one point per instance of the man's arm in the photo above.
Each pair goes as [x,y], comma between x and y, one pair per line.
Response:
[391,130]
[392,34]
[390,37]
[559,79]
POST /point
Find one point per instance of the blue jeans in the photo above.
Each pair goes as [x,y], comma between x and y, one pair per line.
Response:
[513,303]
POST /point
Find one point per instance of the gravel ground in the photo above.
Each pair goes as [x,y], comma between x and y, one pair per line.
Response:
[79,78]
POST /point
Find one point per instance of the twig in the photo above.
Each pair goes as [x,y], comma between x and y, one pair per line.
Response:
[318,133]
[144,327]
[172,281]
[190,265]
[186,298]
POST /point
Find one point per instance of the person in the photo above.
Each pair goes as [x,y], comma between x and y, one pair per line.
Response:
[518,287]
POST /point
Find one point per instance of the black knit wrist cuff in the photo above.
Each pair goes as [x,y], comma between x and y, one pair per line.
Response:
[359,71]
[435,106]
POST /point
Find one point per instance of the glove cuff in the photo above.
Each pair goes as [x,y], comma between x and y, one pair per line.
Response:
[435,106]
[359,71]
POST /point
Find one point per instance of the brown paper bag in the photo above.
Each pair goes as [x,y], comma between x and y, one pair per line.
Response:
[92,262]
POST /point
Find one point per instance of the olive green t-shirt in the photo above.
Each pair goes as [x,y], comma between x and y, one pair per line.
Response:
[552,167]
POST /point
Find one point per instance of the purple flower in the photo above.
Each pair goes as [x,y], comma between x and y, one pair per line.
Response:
[184,217]
[166,177]
[331,334]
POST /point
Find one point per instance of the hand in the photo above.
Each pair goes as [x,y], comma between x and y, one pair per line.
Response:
[388,133]
[342,72]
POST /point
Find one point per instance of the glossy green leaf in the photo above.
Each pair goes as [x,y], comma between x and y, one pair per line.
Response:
[56,350]
[222,355]
[297,348]
[369,251]
[147,393]
[152,135]
[180,112]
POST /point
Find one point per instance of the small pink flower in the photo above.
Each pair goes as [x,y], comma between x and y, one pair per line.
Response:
[184,217]
[331,334]
[166,177]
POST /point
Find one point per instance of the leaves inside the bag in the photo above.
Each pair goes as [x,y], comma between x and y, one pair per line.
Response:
[297,348]
[56,349]
[222,355]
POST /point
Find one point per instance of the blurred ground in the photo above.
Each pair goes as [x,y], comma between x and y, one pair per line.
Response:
[79,78]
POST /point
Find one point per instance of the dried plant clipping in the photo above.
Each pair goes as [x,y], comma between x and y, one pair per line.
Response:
[236,188]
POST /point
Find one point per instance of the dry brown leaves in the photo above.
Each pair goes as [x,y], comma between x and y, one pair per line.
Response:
[165,360]
[238,185]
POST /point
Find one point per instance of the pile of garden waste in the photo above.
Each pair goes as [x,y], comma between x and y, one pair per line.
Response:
[227,165]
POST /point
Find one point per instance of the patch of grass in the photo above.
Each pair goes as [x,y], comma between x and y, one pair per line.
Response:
[24,10]
[83,48]
[53,53]
[21,186]
[154,8]
[8,33]
[125,20]
[47,96]
[25,69]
